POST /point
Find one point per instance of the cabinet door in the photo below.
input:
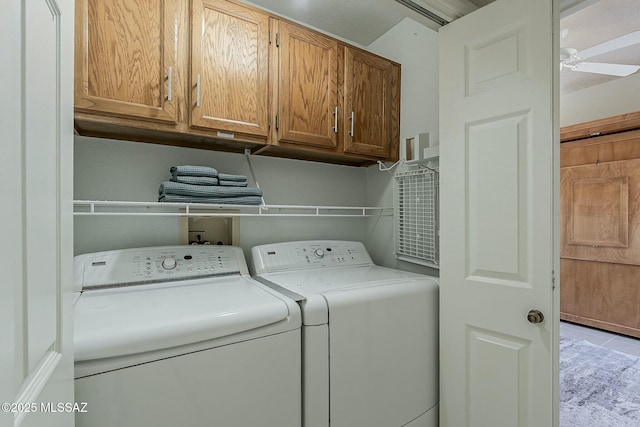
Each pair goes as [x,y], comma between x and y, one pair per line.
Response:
[229,67]
[371,105]
[125,58]
[307,87]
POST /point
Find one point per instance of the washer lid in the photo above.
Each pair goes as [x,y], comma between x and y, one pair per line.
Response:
[125,321]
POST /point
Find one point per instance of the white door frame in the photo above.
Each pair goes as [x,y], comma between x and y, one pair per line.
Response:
[36,354]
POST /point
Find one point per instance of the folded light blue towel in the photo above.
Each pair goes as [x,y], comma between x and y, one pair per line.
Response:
[229,177]
[226,183]
[246,200]
[181,189]
[194,171]
[195,180]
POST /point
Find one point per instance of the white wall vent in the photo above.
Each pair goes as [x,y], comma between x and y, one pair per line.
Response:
[416,217]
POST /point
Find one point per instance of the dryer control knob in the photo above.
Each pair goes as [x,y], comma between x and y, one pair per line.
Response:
[169,263]
[319,253]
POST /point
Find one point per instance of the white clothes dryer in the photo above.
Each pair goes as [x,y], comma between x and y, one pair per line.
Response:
[182,336]
[370,334]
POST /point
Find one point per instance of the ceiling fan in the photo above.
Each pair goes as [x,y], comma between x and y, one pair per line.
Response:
[569,55]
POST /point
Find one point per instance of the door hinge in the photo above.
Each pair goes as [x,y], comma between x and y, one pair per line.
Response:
[553,279]
[277,39]
[269,121]
[277,122]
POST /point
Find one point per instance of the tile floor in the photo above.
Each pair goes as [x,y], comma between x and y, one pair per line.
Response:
[605,339]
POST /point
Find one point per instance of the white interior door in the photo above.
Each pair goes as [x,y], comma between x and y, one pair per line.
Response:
[36,162]
[499,143]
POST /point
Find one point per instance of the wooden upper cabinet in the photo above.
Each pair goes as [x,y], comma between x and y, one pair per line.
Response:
[229,67]
[125,58]
[308,93]
[371,111]
[221,74]
[334,98]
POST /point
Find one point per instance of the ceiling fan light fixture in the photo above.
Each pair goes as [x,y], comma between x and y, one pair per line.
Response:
[567,53]
[620,70]
[611,45]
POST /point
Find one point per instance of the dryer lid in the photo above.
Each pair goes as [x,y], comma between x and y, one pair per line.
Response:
[126,321]
[321,280]
[314,284]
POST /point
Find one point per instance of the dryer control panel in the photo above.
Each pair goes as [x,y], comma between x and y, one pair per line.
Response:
[128,267]
[308,254]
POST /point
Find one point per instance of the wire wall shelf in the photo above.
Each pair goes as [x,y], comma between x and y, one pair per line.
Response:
[416,217]
[124,208]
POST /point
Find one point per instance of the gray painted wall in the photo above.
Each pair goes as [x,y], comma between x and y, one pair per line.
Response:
[616,97]
[131,171]
[416,48]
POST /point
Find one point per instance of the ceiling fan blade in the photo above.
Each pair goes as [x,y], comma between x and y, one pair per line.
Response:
[620,70]
[614,44]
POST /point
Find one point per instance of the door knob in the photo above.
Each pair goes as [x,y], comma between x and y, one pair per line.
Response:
[535,316]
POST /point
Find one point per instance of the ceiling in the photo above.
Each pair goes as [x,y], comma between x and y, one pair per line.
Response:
[589,22]
[363,21]
[595,24]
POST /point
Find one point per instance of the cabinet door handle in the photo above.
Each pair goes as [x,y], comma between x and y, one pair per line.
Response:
[335,119]
[169,83]
[198,90]
[352,120]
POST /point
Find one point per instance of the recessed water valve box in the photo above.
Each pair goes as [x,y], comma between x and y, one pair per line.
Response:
[214,230]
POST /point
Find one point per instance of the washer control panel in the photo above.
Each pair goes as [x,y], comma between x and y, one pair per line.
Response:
[308,254]
[156,264]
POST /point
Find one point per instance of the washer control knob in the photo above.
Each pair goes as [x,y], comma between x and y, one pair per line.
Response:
[319,253]
[169,263]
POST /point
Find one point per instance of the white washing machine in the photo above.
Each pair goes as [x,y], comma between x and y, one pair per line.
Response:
[182,336]
[370,334]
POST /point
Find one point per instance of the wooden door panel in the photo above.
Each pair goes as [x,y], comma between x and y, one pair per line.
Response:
[369,101]
[123,57]
[599,268]
[229,55]
[600,210]
[308,87]
[367,81]
[601,294]
[127,39]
